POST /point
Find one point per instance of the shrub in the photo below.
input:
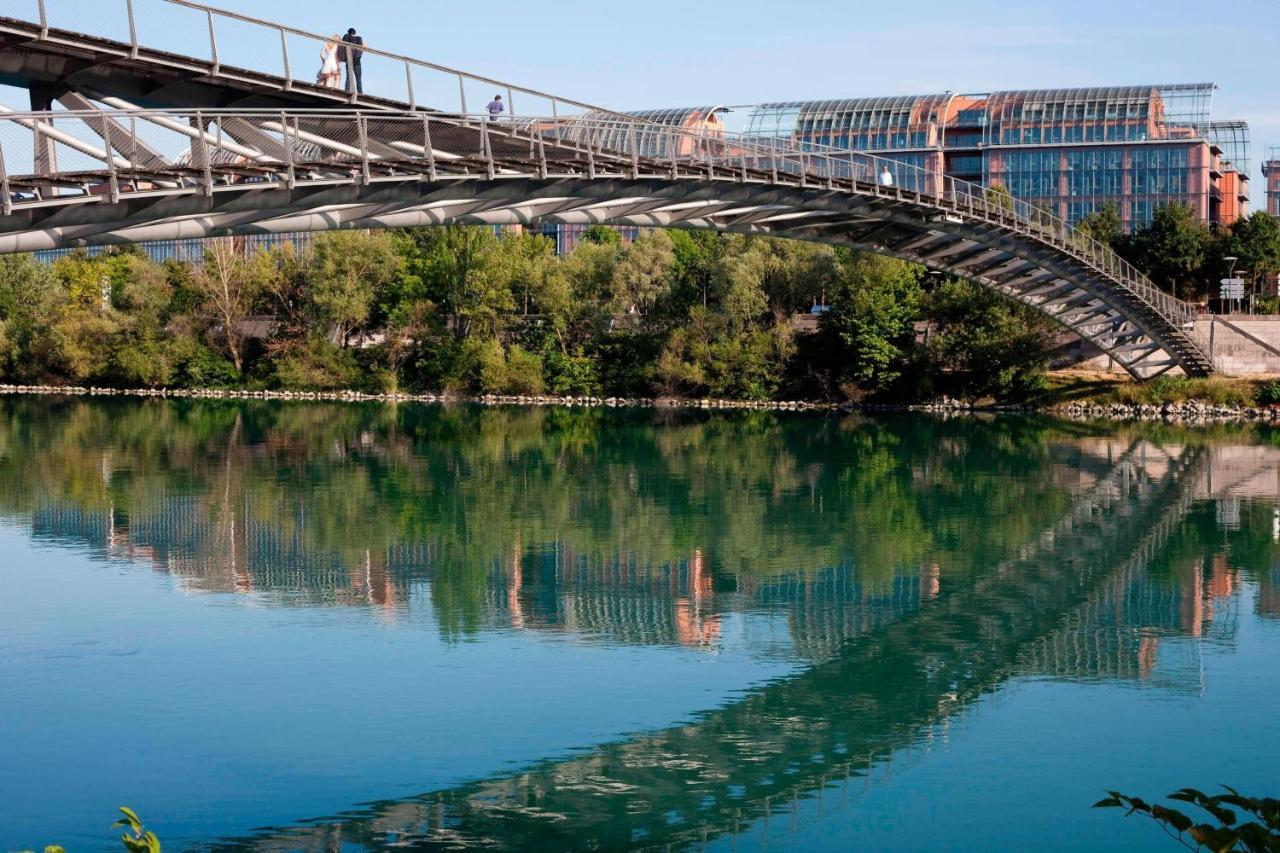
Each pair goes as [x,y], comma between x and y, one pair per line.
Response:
[316,365]
[1269,393]
[524,372]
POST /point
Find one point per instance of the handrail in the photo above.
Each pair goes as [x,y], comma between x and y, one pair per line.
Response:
[213,12]
[614,144]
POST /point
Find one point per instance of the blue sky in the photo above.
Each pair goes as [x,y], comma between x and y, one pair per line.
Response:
[680,52]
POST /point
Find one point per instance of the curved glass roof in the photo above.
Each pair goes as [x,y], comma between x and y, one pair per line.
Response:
[607,130]
[1012,117]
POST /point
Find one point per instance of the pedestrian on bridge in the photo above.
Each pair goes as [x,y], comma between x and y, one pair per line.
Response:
[329,77]
[351,58]
[495,108]
[886,177]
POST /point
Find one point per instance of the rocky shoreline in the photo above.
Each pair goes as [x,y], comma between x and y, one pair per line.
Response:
[1191,411]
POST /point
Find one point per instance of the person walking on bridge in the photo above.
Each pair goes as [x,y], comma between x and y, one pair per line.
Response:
[351,56]
[495,107]
[886,177]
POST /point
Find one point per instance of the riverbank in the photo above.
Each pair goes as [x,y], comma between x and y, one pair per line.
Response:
[1080,396]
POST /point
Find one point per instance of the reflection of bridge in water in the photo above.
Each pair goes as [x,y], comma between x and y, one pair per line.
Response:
[891,662]
[757,756]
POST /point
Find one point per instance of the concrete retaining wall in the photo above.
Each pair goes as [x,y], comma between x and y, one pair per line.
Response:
[1240,345]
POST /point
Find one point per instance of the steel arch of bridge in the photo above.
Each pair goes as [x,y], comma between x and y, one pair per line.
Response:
[100,177]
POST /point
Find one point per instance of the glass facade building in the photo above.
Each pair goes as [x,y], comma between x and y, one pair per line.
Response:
[1069,151]
[191,250]
[1271,173]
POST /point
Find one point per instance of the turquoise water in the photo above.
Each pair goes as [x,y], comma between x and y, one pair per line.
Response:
[278,627]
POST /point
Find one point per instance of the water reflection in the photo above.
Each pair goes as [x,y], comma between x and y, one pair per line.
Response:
[915,566]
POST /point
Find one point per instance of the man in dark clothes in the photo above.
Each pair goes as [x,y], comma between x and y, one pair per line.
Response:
[351,56]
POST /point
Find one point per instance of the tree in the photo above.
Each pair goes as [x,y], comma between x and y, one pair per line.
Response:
[601,235]
[696,253]
[456,269]
[984,342]
[1171,250]
[1255,241]
[280,276]
[645,271]
[29,295]
[870,329]
[1103,225]
[229,289]
[739,284]
[998,195]
[348,270]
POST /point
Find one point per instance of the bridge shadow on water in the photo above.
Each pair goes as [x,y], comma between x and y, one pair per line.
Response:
[1078,516]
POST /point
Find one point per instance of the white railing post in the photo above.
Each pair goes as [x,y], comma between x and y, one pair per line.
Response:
[462,96]
[133,30]
[635,152]
[113,185]
[430,150]
[362,128]
[213,43]
[487,149]
[542,157]
[6,203]
[284,55]
[291,176]
[202,149]
[408,84]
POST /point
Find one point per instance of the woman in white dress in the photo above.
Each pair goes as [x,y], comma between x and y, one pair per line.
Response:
[330,75]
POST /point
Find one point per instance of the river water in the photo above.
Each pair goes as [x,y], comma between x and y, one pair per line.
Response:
[338,627]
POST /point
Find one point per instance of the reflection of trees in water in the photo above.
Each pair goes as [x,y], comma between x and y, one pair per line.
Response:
[336,488]
[903,553]
[751,759]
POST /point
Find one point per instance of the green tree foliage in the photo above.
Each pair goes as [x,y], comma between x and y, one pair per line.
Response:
[137,838]
[1255,242]
[348,271]
[1172,251]
[983,343]
[602,235]
[1103,225]
[646,271]
[871,327]
[467,310]
[227,290]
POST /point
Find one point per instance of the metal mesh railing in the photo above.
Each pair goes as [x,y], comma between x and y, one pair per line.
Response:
[60,155]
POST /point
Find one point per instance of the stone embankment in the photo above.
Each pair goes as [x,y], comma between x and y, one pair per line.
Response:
[1191,411]
[393,397]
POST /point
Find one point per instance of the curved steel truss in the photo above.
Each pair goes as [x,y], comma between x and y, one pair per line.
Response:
[98,176]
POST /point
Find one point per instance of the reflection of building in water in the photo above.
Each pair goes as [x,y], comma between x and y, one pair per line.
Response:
[1144,629]
[1136,627]
[615,598]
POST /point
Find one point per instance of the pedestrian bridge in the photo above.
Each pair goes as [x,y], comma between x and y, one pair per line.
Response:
[145,148]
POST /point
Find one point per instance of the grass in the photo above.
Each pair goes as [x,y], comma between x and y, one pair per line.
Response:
[1100,388]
